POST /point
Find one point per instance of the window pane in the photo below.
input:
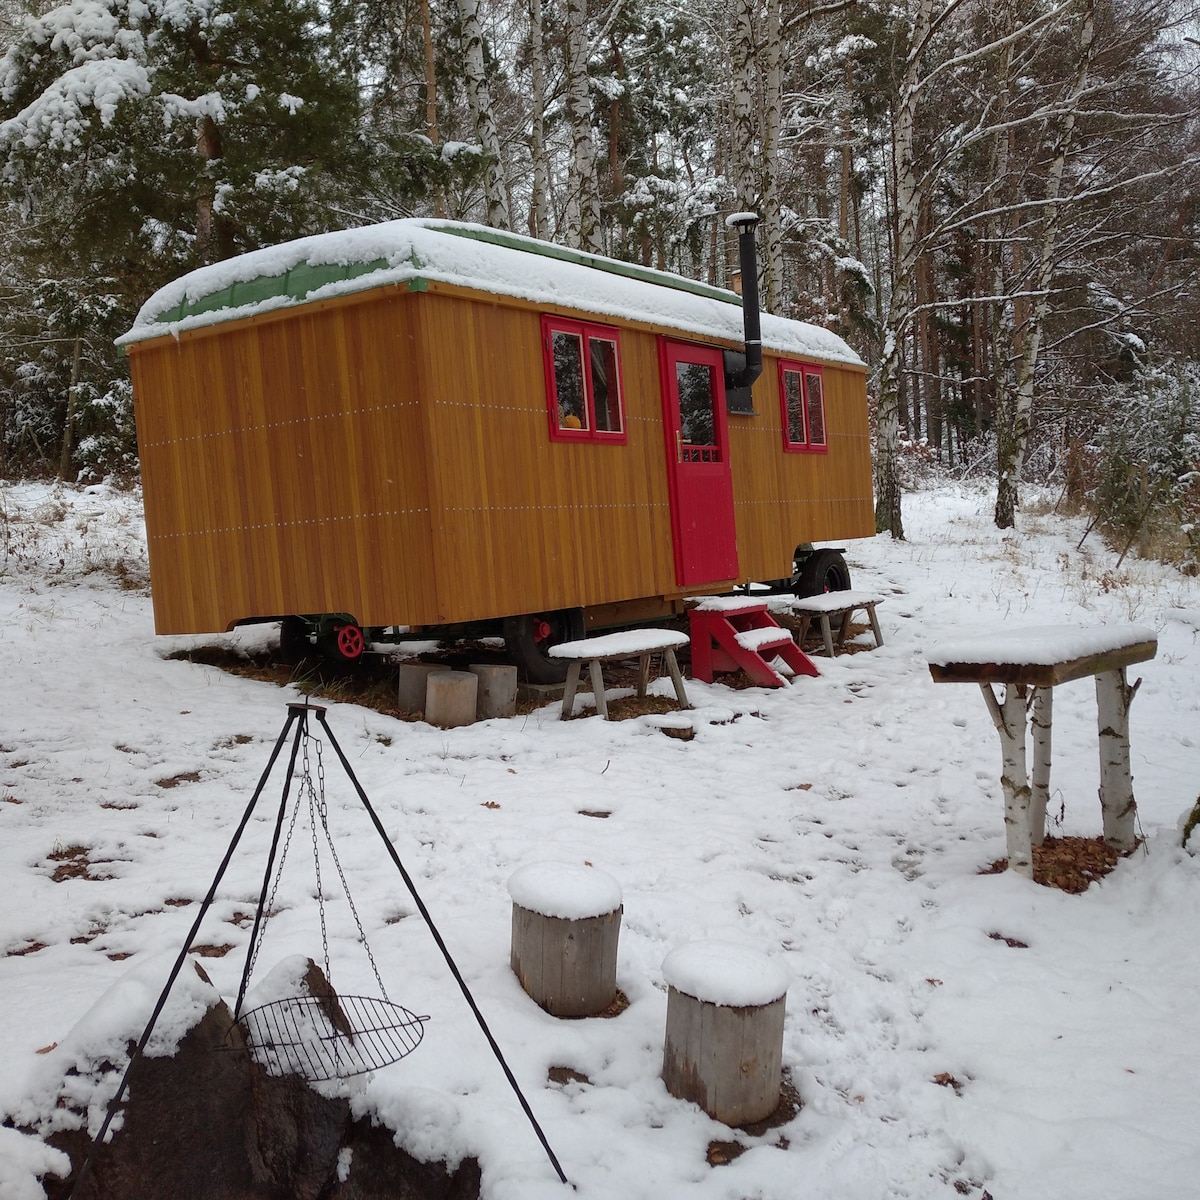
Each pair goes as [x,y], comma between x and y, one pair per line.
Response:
[606,390]
[695,383]
[816,410]
[793,396]
[568,380]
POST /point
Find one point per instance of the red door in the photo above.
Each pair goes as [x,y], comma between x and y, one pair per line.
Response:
[701,486]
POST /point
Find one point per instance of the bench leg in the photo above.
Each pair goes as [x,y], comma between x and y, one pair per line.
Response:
[1009,719]
[874,624]
[643,675]
[676,677]
[844,628]
[598,687]
[827,634]
[568,703]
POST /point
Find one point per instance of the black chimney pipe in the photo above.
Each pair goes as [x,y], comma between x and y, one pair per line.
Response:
[742,368]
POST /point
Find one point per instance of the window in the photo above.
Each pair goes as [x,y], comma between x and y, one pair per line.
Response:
[583,381]
[802,401]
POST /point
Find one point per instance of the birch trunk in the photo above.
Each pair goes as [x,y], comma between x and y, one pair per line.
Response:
[1119,809]
[888,517]
[539,205]
[743,169]
[1009,719]
[583,205]
[772,258]
[1041,724]
[480,102]
[1012,445]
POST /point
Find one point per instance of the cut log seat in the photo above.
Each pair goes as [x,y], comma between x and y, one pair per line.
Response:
[641,644]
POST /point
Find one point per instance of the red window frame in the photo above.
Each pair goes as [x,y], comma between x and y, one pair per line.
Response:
[586,332]
[811,401]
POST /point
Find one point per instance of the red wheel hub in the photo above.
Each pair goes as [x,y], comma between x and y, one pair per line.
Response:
[541,629]
[350,641]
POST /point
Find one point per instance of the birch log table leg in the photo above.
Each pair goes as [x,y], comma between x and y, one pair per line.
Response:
[1040,723]
[1113,698]
[1009,719]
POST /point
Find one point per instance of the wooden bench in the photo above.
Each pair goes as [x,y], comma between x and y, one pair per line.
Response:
[641,644]
[835,604]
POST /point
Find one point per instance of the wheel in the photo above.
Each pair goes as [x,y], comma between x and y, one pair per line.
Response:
[822,571]
[294,645]
[528,637]
[344,643]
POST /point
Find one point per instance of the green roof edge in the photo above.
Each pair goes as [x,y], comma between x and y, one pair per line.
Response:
[581,258]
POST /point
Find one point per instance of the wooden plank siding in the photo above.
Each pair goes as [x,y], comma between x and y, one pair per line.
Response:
[387,455]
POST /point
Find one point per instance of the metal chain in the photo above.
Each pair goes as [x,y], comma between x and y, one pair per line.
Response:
[316,811]
[270,908]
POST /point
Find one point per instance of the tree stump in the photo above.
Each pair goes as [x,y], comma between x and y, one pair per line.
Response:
[724,1040]
[565,924]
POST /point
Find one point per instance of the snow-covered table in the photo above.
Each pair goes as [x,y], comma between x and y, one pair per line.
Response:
[641,644]
[1038,660]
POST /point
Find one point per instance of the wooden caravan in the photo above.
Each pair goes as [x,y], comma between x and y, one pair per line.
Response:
[426,423]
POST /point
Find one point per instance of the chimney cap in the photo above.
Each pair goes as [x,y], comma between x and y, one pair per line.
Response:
[742,221]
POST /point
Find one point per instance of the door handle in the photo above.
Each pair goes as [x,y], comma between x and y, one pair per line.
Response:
[679,445]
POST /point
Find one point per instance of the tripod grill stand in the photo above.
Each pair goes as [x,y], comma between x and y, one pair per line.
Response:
[283,1034]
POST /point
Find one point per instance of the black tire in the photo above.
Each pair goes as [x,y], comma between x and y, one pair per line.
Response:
[528,637]
[294,646]
[822,571]
[343,643]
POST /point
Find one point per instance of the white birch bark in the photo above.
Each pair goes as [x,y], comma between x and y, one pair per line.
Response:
[479,100]
[1012,442]
[1041,724]
[539,206]
[888,516]
[772,251]
[1009,719]
[743,169]
[583,203]
[1119,809]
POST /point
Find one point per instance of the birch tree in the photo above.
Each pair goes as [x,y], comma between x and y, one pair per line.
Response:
[479,100]
[583,229]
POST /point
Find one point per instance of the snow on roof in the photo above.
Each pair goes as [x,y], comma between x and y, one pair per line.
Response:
[417,251]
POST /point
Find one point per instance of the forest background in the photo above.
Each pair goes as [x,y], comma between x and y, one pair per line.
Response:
[994,201]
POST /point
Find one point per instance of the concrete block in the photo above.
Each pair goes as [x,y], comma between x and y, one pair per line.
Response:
[414,678]
[497,690]
[450,698]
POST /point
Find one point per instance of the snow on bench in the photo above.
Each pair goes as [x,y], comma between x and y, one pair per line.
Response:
[641,644]
[829,604]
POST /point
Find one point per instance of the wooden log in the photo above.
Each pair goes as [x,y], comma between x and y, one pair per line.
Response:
[1119,809]
[566,922]
[1041,722]
[1009,719]
[723,1048]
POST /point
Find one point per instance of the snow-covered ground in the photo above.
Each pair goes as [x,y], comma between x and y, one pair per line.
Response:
[838,826]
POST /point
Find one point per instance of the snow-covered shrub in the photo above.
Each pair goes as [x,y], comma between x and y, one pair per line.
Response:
[1147,473]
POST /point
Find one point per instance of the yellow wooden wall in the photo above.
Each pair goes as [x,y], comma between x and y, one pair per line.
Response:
[782,499]
[283,468]
[388,455]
